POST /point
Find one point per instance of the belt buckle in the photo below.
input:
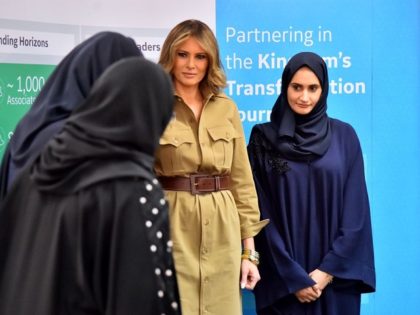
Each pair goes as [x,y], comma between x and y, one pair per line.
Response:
[194,184]
[216,185]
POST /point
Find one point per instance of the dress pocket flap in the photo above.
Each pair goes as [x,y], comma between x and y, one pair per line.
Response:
[226,133]
[181,137]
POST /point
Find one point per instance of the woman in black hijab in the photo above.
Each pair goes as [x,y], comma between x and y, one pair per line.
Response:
[309,173]
[84,229]
[65,89]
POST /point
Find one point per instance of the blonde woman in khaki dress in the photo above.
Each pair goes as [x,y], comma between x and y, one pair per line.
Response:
[203,166]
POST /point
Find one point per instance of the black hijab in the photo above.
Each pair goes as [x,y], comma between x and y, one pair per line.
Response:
[300,137]
[64,90]
[113,134]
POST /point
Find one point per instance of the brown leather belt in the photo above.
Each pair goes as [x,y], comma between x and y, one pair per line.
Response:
[196,183]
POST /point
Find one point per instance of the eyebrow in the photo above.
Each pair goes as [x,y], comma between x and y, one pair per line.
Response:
[186,51]
[311,85]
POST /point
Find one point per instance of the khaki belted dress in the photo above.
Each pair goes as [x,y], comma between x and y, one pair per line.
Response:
[207,229]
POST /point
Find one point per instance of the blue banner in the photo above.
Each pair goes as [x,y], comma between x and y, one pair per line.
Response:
[372,50]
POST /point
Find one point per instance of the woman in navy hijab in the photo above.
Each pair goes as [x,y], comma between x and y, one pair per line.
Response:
[317,253]
[65,89]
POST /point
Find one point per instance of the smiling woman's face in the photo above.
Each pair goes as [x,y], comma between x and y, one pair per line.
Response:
[191,63]
[304,91]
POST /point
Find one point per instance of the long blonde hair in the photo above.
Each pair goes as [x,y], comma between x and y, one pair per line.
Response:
[215,79]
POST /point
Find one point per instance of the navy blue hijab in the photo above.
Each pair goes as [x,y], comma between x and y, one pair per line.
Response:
[300,137]
[66,88]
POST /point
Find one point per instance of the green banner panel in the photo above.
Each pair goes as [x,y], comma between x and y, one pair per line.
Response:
[19,86]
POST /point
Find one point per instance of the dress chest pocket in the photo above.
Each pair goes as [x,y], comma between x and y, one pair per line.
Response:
[173,146]
[223,144]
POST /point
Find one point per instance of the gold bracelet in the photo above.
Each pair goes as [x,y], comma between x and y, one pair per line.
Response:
[251,255]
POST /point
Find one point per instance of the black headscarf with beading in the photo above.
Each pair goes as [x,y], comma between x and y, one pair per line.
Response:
[113,134]
[300,137]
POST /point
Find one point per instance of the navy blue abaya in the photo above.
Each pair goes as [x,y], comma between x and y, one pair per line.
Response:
[320,219]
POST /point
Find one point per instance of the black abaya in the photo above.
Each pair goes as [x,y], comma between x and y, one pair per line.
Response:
[84,229]
[103,250]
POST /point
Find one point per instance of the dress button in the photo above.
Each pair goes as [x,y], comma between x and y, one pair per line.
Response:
[206,222]
[204,251]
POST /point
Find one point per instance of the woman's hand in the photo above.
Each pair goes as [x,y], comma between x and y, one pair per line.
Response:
[321,278]
[249,274]
[308,294]
[311,294]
